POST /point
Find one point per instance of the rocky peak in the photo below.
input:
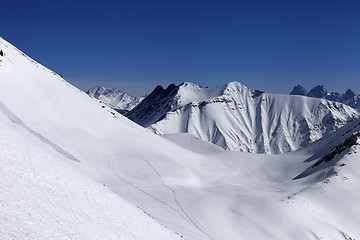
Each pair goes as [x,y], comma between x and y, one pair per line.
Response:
[298,90]
[333,96]
[318,92]
[349,94]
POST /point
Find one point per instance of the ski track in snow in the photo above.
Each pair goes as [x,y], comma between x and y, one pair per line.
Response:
[16,120]
[181,213]
[275,181]
[176,200]
[243,215]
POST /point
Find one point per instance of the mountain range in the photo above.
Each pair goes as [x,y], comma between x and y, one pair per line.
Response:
[115,98]
[349,97]
[73,168]
[235,117]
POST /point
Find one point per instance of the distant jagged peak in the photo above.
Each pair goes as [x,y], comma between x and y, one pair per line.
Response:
[333,96]
[318,92]
[349,97]
[102,90]
[298,90]
[115,98]
[349,94]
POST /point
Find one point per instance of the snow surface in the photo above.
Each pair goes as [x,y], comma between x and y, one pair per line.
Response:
[192,143]
[218,195]
[41,197]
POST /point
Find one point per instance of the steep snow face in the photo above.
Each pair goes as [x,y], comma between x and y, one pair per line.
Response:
[237,118]
[116,99]
[331,151]
[160,101]
[154,106]
[61,131]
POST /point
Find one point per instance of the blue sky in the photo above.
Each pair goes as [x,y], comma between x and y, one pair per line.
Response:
[136,45]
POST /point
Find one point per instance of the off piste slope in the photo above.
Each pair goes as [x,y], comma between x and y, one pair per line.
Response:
[332,152]
[47,132]
[61,133]
[235,117]
[41,197]
[115,98]
[141,167]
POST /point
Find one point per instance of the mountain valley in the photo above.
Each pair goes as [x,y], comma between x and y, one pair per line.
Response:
[73,168]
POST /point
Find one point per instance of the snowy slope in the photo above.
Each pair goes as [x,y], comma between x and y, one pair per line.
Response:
[161,101]
[43,198]
[41,195]
[237,118]
[115,98]
[221,195]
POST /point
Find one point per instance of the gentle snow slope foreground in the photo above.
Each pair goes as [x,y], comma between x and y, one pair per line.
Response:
[42,197]
[207,194]
[237,118]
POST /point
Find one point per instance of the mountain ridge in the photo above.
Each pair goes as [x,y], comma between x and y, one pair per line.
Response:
[254,121]
[114,98]
[349,97]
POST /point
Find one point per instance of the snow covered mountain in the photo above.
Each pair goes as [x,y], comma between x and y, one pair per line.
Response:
[73,169]
[237,118]
[349,97]
[115,98]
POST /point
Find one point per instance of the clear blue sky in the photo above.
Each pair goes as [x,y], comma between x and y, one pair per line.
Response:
[135,45]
